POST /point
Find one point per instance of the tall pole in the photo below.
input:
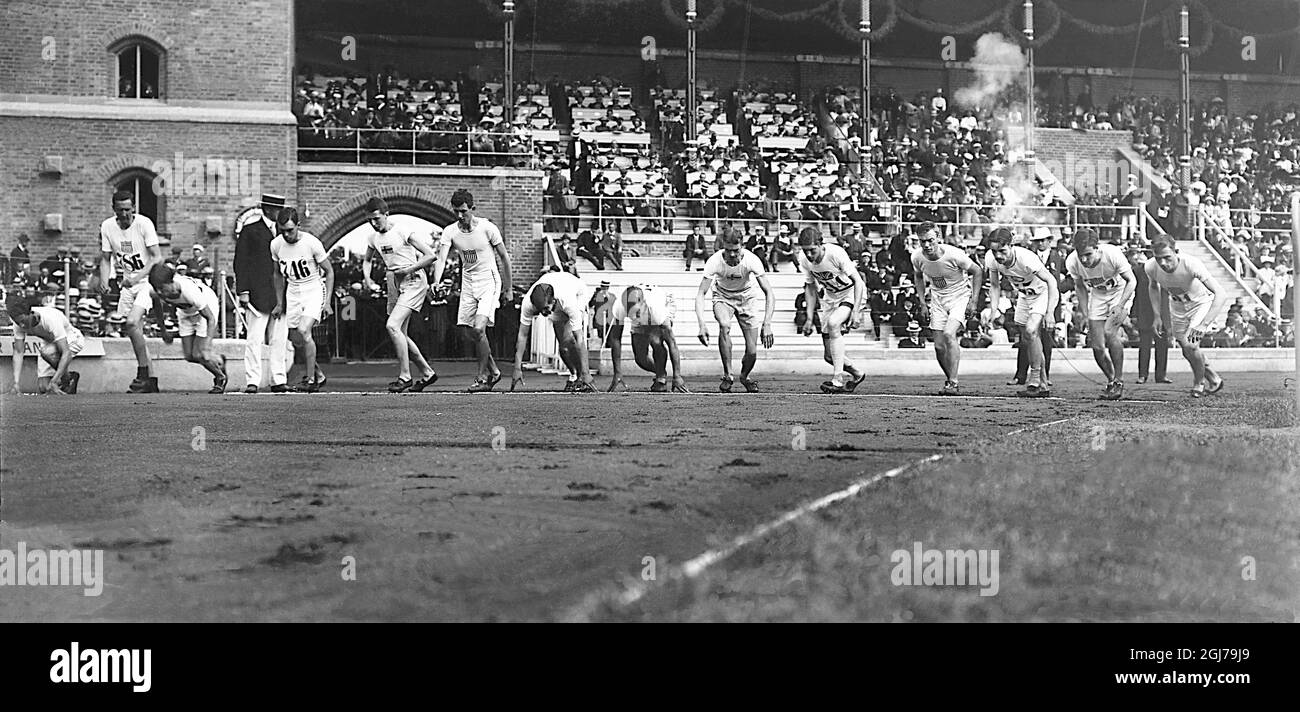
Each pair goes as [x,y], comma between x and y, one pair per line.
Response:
[690,70]
[1295,250]
[864,29]
[508,112]
[1185,80]
[1029,88]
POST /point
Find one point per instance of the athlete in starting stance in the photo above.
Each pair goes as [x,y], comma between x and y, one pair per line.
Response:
[1104,283]
[830,267]
[1183,288]
[953,277]
[483,286]
[305,281]
[739,281]
[1037,298]
[196,318]
[650,313]
[562,298]
[60,343]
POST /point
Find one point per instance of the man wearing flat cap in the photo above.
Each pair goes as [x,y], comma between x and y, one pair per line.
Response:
[263,304]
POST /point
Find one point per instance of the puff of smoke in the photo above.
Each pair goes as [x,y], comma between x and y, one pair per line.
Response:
[998,64]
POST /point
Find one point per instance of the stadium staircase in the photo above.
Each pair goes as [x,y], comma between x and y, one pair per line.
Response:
[792,351]
[1223,274]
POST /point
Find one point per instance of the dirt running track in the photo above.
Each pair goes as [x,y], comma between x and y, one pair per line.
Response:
[255,524]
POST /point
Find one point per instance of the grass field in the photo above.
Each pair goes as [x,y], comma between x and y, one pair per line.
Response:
[549,506]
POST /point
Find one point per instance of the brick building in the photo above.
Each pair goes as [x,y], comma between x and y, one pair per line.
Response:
[191,110]
[186,108]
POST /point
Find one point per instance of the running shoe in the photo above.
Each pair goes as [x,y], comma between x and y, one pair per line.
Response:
[750,384]
[727,382]
[219,384]
[1216,386]
[483,386]
[419,385]
[399,385]
[852,385]
[832,387]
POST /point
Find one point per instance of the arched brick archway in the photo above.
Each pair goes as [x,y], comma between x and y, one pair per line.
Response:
[351,213]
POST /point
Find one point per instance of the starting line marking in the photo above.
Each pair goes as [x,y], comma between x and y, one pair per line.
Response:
[926,396]
[634,591]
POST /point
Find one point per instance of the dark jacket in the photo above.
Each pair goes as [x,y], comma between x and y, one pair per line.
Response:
[1142,313]
[254,268]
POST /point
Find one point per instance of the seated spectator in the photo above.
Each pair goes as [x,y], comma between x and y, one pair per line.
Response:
[198,261]
[783,250]
[696,249]
[757,244]
[564,251]
[913,340]
[611,246]
[589,249]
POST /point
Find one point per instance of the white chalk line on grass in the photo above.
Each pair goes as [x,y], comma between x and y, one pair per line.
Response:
[633,590]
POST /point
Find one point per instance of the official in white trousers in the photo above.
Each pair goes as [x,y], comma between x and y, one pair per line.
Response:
[264,330]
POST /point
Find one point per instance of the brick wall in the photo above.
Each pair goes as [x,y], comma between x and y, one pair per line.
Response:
[216,49]
[94,151]
[1083,159]
[510,198]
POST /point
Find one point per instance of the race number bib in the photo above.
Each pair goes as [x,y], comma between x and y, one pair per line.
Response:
[832,282]
[132,262]
[1102,283]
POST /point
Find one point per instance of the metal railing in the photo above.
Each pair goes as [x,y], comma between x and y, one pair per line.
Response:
[1240,269]
[413,147]
[227,294]
[972,220]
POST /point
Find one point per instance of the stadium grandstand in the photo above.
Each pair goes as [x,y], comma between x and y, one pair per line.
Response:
[662,310]
[625,133]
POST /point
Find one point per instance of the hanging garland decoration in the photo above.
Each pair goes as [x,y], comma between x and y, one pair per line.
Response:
[943,28]
[835,15]
[702,25]
[1237,33]
[1199,15]
[1096,29]
[1042,34]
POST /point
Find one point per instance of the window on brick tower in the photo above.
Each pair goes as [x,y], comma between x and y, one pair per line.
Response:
[139,71]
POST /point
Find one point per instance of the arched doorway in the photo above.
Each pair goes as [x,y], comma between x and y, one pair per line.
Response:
[342,226]
[361,307]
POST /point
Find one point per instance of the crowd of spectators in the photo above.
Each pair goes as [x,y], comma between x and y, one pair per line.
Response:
[70,282]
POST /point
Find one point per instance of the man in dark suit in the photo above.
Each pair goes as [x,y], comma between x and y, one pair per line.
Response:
[20,258]
[263,304]
[1143,315]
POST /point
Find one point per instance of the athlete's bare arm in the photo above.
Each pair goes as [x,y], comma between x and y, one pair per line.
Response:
[1220,298]
[521,343]
[506,280]
[976,284]
[700,294]
[765,333]
[20,341]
